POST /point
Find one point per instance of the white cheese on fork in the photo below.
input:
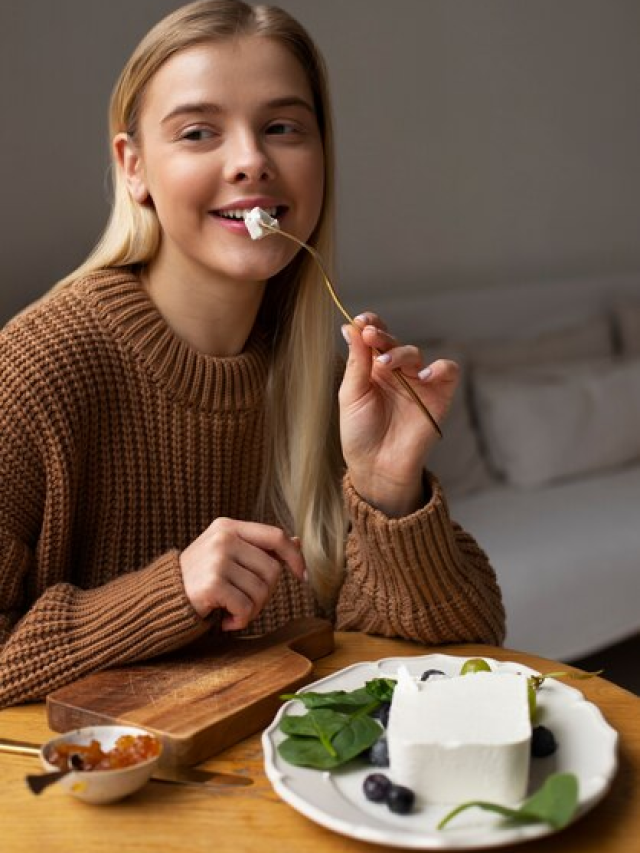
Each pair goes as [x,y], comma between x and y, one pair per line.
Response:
[255,220]
[462,738]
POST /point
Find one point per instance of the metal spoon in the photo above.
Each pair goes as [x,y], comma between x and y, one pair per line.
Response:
[37,783]
[190,776]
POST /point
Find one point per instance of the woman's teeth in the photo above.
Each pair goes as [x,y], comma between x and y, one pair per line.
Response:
[240,213]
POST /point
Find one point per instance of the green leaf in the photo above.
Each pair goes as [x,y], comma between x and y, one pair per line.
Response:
[307,752]
[480,804]
[381,688]
[554,803]
[337,700]
[359,734]
[336,728]
[325,739]
[322,724]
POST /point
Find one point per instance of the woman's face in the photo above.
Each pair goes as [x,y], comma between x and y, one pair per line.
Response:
[225,127]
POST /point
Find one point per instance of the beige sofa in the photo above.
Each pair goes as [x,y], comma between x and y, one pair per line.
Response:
[541,455]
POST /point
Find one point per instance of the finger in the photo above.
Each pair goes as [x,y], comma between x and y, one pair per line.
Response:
[357,374]
[258,571]
[378,339]
[245,589]
[240,609]
[443,370]
[406,358]
[273,539]
[370,318]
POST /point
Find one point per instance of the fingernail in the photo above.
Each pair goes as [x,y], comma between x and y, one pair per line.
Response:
[361,318]
[346,333]
[425,373]
[305,576]
[297,542]
[384,358]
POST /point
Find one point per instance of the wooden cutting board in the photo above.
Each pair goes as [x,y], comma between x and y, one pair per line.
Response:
[204,698]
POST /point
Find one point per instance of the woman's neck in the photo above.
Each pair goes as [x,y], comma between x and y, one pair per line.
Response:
[214,316]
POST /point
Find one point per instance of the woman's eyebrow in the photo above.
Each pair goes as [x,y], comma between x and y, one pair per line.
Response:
[206,107]
[291,101]
[199,107]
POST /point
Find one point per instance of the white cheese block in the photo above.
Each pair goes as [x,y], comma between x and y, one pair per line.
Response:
[461,738]
[255,220]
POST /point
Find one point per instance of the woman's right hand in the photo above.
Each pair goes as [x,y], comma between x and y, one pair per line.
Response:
[235,566]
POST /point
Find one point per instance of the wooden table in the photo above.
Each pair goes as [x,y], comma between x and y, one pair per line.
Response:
[172,819]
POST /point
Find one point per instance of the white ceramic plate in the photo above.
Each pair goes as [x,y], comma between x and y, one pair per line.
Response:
[587,747]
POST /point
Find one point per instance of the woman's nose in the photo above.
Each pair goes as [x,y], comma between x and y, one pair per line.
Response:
[247,160]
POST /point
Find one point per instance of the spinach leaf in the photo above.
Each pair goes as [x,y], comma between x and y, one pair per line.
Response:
[337,700]
[309,725]
[554,803]
[325,751]
[381,688]
[359,734]
[336,727]
[307,752]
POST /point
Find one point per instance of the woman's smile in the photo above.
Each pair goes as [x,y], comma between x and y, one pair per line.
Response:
[232,216]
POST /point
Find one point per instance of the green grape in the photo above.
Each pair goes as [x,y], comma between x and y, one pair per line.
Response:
[475,665]
[531,695]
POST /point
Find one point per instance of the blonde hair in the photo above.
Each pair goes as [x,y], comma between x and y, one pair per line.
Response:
[303,461]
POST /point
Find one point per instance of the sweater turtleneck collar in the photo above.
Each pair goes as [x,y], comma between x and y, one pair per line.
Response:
[210,382]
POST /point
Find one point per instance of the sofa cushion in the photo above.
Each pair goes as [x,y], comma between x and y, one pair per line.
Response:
[546,423]
[458,460]
[590,339]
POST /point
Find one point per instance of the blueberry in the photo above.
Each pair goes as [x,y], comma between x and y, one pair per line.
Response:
[378,753]
[400,799]
[382,713]
[543,742]
[376,787]
[429,672]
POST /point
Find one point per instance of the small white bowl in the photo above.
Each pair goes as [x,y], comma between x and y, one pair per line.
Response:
[101,786]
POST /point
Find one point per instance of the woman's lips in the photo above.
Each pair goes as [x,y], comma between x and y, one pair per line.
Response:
[236,225]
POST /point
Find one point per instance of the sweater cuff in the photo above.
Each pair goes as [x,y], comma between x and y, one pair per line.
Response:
[415,556]
[138,615]
[360,510]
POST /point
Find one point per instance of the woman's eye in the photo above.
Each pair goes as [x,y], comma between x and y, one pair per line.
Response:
[197,134]
[281,127]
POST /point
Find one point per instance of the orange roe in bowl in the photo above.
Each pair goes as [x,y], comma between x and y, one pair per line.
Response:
[128,750]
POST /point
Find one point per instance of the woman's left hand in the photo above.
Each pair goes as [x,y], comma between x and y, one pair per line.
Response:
[385,435]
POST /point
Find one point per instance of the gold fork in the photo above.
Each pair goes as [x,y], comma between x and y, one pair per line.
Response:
[397,372]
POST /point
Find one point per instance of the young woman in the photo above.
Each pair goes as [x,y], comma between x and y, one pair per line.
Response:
[175,456]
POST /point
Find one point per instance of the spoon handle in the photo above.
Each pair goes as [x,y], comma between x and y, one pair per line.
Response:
[19,747]
[332,291]
[37,783]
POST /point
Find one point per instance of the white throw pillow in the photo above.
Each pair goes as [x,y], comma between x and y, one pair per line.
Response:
[554,422]
[458,460]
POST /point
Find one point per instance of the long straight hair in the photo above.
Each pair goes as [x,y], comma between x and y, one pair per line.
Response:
[301,486]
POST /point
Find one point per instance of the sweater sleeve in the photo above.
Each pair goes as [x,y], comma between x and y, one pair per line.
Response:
[51,630]
[68,632]
[421,577]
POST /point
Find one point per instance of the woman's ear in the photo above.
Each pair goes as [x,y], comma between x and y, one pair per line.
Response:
[129,159]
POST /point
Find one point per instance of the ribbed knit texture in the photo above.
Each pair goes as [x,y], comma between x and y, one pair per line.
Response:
[119,445]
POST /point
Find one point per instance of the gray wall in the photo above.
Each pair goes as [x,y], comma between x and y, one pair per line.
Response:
[479,140]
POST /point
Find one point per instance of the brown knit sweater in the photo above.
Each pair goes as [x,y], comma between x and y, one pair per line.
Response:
[119,445]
